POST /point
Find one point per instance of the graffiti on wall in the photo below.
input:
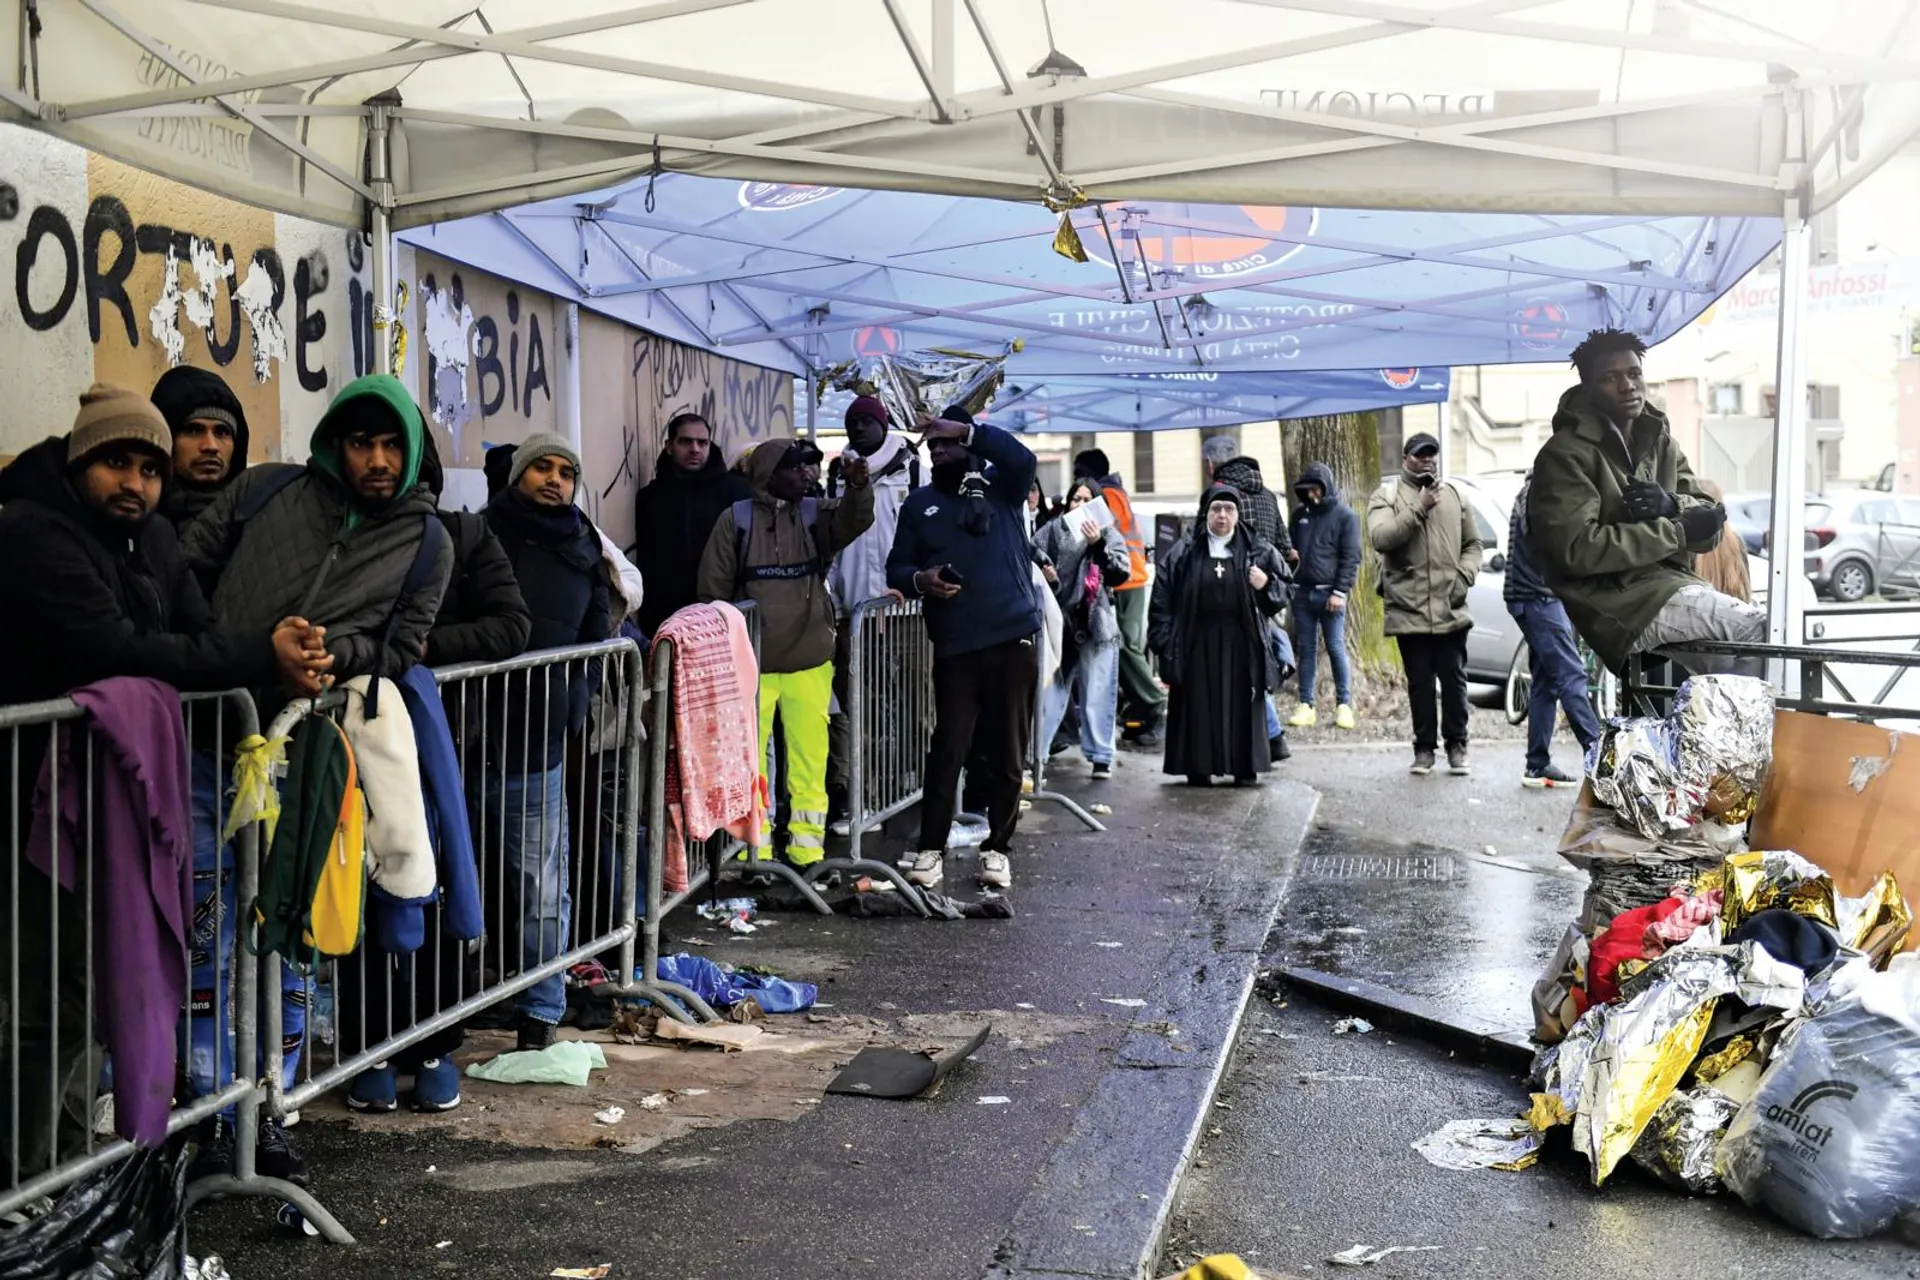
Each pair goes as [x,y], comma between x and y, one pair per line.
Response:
[486,360]
[118,275]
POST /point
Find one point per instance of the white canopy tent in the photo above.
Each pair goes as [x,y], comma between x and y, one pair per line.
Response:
[404,112]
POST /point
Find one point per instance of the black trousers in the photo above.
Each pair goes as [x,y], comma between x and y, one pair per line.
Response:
[984,707]
[1441,659]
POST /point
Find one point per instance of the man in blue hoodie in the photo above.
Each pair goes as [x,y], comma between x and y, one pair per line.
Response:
[962,547]
[1326,559]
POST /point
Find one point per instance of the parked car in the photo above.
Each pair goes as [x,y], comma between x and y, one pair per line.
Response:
[1860,541]
[1747,515]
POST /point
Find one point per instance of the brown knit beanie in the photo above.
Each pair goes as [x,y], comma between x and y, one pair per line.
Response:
[113,415]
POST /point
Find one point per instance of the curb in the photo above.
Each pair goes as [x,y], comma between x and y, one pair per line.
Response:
[1496,1046]
[1102,1199]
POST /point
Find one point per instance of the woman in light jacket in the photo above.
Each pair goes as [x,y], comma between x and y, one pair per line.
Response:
[1086,561]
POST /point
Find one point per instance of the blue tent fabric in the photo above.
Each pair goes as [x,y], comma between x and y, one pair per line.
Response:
[805,278]
[723,986]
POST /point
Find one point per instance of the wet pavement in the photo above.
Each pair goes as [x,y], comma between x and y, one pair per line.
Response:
[1447,890]
[1073,1174]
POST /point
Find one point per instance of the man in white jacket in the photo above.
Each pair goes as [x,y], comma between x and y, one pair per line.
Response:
[859,572]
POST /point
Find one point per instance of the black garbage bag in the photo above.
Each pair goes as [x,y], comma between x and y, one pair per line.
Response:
[126,1222]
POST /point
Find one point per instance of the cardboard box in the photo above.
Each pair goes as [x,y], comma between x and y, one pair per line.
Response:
[1847,796]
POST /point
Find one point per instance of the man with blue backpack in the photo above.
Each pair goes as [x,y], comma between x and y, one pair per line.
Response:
[775,549]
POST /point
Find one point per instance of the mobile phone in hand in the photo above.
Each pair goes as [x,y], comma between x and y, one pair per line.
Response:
[950,575]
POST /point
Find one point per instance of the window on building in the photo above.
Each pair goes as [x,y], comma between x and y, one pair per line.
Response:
[1391,428]
[1823,400]
[1143,462]
[1726,398]
[1078,443]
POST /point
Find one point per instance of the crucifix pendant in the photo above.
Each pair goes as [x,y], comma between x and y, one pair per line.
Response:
[1219,570]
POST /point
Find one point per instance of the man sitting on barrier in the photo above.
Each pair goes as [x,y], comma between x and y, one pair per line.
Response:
[774,550]
[556,558]
[1616,520]
[859,573]
[92,586]
[962,547]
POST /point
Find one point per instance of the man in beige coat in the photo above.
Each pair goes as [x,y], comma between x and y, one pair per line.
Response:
[1429,551]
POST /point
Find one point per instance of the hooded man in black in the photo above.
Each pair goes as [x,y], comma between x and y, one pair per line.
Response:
[210,439]
[674,516]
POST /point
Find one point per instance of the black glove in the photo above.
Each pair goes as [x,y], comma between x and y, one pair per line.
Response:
[1700,524]
[1648,501]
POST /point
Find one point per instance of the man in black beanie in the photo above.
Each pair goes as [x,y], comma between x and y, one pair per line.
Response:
[962,547]
[210,439]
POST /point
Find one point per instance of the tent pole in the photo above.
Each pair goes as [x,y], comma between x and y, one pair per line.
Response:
[1786,580]
[813,407]
[380,226]
[570,423]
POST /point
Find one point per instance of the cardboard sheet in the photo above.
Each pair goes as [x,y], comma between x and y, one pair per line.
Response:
[1847,796]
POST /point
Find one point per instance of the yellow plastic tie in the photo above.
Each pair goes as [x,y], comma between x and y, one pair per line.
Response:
[257,761]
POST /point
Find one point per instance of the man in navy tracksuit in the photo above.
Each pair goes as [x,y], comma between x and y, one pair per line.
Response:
[962,547]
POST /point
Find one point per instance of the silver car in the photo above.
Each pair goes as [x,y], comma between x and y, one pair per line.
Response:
[1860,541]
[1495,636]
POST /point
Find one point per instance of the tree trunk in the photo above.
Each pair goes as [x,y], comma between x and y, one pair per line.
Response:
[1349,444]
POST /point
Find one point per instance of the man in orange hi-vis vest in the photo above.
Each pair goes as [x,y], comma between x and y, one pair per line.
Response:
[1143,702]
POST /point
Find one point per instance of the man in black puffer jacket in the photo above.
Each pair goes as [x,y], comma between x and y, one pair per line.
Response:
[210,440]
[1326,554]
[556,559]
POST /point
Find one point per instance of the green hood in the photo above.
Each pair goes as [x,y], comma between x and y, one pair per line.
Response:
[379,399]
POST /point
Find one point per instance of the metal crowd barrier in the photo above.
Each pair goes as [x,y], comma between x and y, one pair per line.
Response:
[558,847]
[1643,695]
[56,1127]
[889,712]
[1037,754]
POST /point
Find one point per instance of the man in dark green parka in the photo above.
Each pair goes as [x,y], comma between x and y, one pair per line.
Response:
[1616,519]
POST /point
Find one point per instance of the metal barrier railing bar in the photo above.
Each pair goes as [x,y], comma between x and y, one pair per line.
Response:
[52,939]
[1640,696]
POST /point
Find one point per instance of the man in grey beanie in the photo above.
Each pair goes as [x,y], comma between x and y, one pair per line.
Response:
[556,557]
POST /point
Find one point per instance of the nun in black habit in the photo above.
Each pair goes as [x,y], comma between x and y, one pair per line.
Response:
[1213,594]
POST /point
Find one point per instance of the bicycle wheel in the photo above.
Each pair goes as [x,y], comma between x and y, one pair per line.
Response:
[1519,685]
[1603,687]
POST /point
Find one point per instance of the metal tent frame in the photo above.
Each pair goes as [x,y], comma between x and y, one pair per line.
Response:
[377,112]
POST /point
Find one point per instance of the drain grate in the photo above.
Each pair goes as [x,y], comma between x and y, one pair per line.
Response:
[1405,866]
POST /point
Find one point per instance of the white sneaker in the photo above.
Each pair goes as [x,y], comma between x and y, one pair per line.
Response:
[841,827]
[926,868]
[995,871]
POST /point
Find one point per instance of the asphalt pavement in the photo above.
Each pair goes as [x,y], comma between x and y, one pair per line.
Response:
[1445,895]
[1132,950]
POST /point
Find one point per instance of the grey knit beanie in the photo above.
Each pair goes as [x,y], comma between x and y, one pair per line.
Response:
[544,445]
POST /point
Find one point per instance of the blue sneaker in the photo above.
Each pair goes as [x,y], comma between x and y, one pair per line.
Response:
[374,1090]
[436,1085]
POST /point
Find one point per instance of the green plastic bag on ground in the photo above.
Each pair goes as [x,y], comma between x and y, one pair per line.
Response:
[562,1062]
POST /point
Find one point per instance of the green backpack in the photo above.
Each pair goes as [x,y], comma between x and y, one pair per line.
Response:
[313,880]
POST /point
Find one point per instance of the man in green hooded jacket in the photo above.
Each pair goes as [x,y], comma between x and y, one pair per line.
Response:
[332,542]
[1616,519]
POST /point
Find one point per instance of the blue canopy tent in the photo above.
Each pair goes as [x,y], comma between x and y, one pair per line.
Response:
[1191,401]
[807,277]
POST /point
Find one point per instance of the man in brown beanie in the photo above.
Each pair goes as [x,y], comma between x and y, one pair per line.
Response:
[92,586]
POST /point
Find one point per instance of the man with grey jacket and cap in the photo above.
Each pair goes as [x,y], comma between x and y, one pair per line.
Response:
[1430,552]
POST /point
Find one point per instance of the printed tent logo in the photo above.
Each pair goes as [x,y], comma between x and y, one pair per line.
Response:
[1217,244]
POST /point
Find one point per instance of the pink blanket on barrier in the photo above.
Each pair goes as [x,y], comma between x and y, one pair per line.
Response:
[713,769]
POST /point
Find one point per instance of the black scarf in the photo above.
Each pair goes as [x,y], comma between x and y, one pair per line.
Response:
[969,480]
[558,529]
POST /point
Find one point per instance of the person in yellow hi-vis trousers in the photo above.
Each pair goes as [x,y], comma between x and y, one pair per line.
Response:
[774,550]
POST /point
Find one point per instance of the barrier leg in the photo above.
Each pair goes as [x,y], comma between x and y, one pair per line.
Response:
[1038,753]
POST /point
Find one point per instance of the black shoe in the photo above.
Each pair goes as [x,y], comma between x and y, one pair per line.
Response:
[1277,749]
[214,1138]
[1102,771]
[1199,780]
[1547,778]
[534,1035]
[274,1156]
[1149,739]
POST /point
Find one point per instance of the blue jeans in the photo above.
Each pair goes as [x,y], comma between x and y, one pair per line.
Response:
[1312,621]
[206,1043]
[527,816]
[1559,679]
[1282,646]
[1094,687]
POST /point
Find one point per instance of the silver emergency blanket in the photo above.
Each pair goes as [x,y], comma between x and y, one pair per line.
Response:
[1723,744]
[1636,773]
[917,382]
[1481,1144]
[1679,1144]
